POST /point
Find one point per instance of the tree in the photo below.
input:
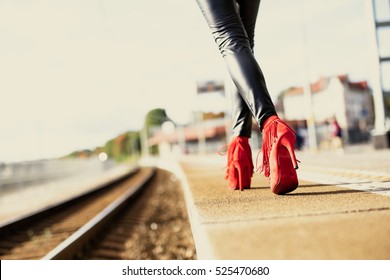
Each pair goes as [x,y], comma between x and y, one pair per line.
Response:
[124,146]
[155,118]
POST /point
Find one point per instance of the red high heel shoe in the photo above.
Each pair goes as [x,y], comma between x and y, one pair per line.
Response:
[279,161]
[240,165]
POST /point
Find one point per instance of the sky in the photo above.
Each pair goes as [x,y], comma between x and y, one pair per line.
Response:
[76,73]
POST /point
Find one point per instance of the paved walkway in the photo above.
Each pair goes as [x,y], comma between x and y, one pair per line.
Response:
[340,211]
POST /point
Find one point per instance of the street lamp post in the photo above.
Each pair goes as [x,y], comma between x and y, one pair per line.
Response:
[379,136]
[308,97]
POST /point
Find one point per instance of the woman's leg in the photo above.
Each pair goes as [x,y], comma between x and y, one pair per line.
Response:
[232,24]
[226,20]
[241,115]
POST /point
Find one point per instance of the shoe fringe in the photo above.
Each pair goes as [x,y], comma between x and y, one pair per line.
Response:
[222,151]
[269,138]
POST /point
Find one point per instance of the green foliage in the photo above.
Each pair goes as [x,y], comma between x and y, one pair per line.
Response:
[127,146]
[156,117]
[133,143]
[108,148]
[124,146]
[80,154]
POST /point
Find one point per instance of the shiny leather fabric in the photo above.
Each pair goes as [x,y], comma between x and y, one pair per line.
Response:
[232,23]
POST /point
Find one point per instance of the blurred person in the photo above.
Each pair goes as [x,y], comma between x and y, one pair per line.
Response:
[336,140]
[232,24]
[300,136]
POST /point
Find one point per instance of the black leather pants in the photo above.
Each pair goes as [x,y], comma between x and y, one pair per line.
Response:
[232,23]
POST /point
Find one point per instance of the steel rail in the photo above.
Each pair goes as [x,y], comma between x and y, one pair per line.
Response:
[69,248]
[17,222]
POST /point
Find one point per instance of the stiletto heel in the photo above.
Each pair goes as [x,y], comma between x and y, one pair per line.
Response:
[279,161]
[243,179]
[239,178]
[232,178]
[240,164]
[290,144]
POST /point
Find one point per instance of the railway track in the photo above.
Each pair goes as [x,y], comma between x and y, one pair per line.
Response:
[154,227]
[62,231]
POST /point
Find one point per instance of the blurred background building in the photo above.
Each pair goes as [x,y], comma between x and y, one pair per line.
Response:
[350,103]
[206,130]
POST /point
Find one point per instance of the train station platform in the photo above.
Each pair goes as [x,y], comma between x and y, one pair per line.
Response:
[341,209]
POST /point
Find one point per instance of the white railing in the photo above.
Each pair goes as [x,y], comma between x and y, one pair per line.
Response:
[35,172]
